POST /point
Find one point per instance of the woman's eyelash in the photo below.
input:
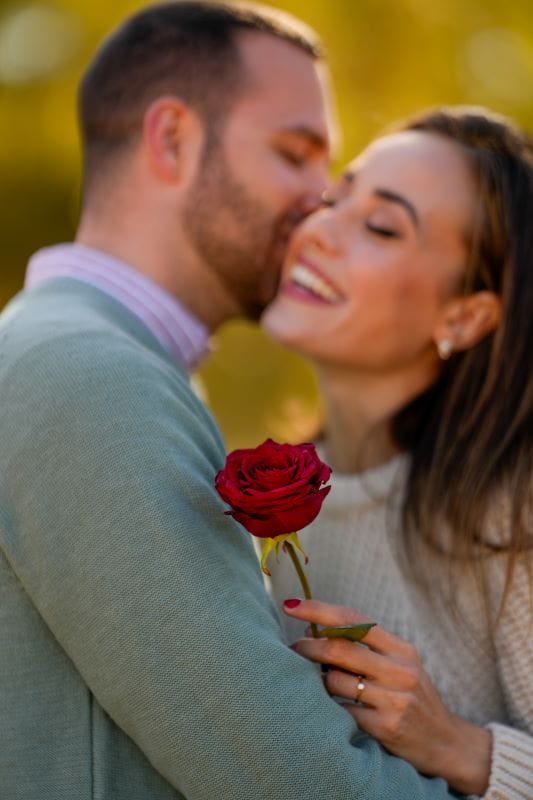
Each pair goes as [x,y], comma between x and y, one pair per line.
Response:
[387,232]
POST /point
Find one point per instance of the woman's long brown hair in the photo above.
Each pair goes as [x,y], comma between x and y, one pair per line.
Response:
[470,435]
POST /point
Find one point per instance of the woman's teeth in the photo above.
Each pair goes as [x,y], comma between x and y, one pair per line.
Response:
[307,279]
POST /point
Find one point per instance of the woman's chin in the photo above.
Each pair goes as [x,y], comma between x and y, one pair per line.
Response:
[278,323]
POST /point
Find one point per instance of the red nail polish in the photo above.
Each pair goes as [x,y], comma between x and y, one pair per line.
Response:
[292,603]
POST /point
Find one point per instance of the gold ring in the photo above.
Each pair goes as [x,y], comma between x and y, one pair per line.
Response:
[361,685]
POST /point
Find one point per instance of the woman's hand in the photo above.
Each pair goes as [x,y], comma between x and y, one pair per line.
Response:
[398,703]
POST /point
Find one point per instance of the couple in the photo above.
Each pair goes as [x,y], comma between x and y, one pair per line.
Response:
[141,657]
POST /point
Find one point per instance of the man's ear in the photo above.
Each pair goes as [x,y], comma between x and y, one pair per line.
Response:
[173,138]
[467,320]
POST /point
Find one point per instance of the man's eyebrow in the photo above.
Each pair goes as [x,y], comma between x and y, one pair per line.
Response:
[394,197]
[313,136]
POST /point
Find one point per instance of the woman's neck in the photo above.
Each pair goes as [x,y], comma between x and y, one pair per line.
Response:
[359,409]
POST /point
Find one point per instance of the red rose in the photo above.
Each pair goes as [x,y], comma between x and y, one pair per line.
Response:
[274,489]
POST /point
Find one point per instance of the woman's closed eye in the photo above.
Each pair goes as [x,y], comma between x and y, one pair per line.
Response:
[383,230]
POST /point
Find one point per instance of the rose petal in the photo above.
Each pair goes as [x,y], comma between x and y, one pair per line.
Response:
[274,489]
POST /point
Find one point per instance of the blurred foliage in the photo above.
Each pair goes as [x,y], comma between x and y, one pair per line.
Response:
[388,59]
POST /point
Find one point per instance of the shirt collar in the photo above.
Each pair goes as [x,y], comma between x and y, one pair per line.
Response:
[182,334]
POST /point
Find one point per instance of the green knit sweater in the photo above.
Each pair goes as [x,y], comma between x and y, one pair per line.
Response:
[140,657]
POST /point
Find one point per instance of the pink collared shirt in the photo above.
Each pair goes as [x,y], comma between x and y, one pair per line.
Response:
[179,331]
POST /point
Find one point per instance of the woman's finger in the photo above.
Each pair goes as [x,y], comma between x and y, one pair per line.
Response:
[357,660]
[330,615]
[348,656]
[358,688]
[322,613]
[367,718]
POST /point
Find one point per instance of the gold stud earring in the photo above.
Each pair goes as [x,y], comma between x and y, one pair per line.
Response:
[445,348]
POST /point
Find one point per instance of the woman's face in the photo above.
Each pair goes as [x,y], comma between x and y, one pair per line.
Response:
[366,281]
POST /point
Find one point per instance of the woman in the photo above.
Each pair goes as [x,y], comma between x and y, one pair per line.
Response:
[412,294]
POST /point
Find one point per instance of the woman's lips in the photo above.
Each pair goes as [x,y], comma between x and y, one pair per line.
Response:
[305,281]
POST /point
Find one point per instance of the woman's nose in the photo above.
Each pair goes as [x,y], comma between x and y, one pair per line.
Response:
[321,231]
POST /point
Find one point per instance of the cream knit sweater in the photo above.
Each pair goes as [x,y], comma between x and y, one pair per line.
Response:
[485,677]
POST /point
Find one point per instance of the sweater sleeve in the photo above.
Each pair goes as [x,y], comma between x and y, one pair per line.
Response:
[111,524]
[512,746]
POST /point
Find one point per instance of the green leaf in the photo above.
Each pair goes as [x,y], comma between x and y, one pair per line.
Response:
[352,632]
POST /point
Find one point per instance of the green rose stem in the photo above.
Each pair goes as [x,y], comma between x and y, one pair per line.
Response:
[303,579]
[354,633]
[291,544]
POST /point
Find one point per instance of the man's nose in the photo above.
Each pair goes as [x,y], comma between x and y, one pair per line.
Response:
[315,195]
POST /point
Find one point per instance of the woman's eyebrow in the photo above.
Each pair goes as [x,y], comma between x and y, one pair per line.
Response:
[348,177]
[393,197]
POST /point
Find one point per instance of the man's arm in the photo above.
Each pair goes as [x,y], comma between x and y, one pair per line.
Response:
[121,543]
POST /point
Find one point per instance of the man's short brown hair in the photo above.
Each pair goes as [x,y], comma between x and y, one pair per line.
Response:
[185,48]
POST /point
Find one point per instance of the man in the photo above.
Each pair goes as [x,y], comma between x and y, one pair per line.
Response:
[140,656]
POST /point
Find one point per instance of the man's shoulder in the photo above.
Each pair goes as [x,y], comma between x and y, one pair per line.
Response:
[80,351]
[65,311]
[80,329]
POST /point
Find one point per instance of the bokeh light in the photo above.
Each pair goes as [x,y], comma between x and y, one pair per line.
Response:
[496,65]
[35,42]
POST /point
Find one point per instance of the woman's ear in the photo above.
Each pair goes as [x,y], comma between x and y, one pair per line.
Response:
[467,320]
[172,138]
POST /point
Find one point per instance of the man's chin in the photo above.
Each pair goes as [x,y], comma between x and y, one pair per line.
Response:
[254,307]
[254,311]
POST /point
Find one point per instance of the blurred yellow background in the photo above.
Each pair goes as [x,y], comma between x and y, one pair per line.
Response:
[388,58]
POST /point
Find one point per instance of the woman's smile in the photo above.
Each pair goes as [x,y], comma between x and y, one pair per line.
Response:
[306,282]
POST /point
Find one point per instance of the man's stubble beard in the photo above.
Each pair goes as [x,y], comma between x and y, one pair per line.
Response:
[235,235]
